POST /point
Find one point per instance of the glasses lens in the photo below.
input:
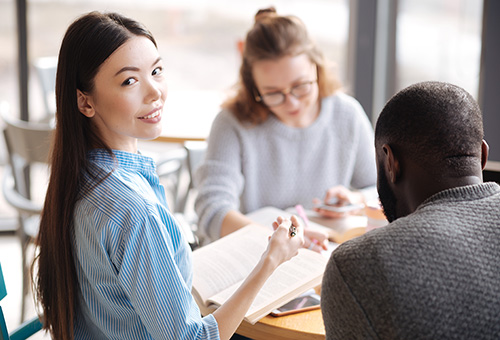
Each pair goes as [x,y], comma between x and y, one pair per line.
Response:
[301,89]
[273,99]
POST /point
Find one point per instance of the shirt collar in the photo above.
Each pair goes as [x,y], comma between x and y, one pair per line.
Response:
[123,159]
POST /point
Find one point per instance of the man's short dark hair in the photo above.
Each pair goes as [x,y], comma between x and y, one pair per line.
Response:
[435,123]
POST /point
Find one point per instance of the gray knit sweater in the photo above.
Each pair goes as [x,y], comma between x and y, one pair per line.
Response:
[272,164]
[434,274]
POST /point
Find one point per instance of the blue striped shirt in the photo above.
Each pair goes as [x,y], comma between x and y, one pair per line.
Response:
[132,261]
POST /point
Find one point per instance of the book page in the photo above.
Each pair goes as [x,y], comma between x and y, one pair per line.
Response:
[291,279]
[228,260]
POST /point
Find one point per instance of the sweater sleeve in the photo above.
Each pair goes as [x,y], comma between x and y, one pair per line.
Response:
[219,179]
[343,316]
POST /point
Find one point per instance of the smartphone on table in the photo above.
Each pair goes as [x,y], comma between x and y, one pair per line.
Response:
[299,304]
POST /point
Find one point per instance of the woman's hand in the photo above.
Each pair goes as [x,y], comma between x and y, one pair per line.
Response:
[342,196]
[316,240]
[282,245]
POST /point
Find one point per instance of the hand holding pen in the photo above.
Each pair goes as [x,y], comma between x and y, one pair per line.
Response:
[316,240]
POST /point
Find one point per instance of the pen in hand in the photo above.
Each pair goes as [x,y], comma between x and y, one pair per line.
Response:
[302,214]
[300,211]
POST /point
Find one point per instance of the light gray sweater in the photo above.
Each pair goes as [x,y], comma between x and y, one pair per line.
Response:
[272,164]
[434,274]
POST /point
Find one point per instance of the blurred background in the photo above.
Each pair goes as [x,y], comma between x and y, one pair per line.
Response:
[433,39]
[377,48]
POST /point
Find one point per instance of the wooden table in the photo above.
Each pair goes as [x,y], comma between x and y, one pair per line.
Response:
[188,115]
[301,326]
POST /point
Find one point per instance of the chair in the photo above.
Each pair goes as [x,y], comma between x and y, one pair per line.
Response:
[195,155]
[185,201]
[172,169]
[27,145]
[8,221]
[25,330]
[46,68]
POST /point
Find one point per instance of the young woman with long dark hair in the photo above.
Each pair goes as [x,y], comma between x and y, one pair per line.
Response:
[112,261]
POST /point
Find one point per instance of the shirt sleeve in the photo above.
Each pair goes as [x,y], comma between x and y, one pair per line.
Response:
[219,180]
[156,288]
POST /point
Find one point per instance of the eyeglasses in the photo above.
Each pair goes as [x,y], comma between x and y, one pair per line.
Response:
[279,97]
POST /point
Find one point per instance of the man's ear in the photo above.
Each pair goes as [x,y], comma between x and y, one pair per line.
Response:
[392,166]
[84,104]
[485,149]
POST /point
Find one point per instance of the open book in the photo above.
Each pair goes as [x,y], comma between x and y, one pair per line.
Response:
[220,268]
[339,230]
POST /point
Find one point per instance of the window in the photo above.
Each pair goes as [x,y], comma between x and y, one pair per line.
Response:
[197,38]
[439,40]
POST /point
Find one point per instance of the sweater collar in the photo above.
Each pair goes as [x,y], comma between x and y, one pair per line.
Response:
[464,193]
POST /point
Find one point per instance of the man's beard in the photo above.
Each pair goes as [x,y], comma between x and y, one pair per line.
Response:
[386,195]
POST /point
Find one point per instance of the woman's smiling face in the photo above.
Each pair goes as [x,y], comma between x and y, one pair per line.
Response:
[129,92]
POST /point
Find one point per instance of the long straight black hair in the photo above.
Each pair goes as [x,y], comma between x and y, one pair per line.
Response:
[88,42]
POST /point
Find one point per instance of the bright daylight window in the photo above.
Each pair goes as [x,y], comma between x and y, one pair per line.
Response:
[439,40]
[197,38]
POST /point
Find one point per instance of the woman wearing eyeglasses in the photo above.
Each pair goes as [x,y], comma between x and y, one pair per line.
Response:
[287,137]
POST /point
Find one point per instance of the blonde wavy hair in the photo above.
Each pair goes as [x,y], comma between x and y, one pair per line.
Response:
[272,37]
